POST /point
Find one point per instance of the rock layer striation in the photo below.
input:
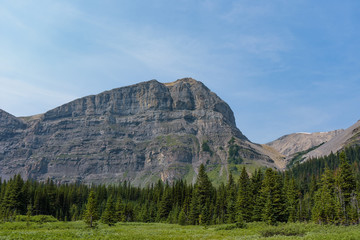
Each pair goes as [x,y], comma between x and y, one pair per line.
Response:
[140,133]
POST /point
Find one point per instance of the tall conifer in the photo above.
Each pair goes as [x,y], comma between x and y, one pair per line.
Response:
[291,201]
[230,200]
[200,199]
[91,212]
[346,186]
[166,204]
[256,184]
[109,215]
[274,203]
[324,210]
[244,203]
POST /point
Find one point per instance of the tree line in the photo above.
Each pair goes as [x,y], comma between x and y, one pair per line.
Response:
[324,190]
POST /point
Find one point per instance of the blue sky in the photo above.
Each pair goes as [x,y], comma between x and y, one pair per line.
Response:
[283,66]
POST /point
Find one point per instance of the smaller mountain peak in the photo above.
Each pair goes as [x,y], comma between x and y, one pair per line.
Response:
[191,81]
[152,81]
[7,119]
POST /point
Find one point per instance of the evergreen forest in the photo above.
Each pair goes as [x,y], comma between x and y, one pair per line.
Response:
[323,190]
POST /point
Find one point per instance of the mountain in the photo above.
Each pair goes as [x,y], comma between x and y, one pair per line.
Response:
[298,142]
[302,146]
[347,138]
[139,133]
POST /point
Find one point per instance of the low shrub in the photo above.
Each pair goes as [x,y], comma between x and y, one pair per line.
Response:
[231,226]
[283,231]
[36,218]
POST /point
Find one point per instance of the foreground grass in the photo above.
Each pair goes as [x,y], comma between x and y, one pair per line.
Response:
[78,230]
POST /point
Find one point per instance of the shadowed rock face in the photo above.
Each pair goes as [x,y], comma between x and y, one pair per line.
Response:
[138,133]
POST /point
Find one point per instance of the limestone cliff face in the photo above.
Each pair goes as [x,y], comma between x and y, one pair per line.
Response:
[140,133]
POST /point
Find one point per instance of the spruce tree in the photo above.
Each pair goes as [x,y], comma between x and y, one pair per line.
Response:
[244,203]
[13,198]
[165,205]
[324,210]
[28,215]
[205,213]
[257,200]
[221,204]
[182,217]
[345,185]
[174,214]
[201,195]
[291,201]
[91,212]
[109,215]
[345,178]
[119,209]
[152,212]
[144,214]
[129,212]
[230,200]
[274,203]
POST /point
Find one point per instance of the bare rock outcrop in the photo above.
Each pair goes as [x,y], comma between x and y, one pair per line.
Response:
[348,137]
[298,142]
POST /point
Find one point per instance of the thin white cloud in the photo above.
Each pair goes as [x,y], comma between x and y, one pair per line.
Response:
[26,98]
[159,50]
[173,55]
[245,11]
[262,44]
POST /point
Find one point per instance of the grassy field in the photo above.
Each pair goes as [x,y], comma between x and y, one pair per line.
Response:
[78,230]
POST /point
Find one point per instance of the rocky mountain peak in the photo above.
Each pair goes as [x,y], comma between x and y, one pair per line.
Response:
[187,93]
[140,133]
[298,142]
[190,81]
[346,138]
[7,120]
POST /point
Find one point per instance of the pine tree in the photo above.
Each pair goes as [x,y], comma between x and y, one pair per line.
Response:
[120,215]
[244,205]
[202,193]
[13,198]
[28,214]
[144,214]
[152,212]
[346,185]
[233,153]
[109,215]
[324,210]
[230,200]
[220,204]
[129,212]
[274,203]
[194,210]
[51,197]
[258,201]
[174,214]
[165,205]
[291,200]
[91,212]
[182,217]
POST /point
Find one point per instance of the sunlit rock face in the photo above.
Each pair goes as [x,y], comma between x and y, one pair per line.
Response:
[140,133]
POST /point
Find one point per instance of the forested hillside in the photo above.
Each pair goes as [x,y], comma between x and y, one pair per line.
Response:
[324,190]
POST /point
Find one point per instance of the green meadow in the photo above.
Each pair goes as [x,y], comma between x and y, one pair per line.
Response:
[258,230]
